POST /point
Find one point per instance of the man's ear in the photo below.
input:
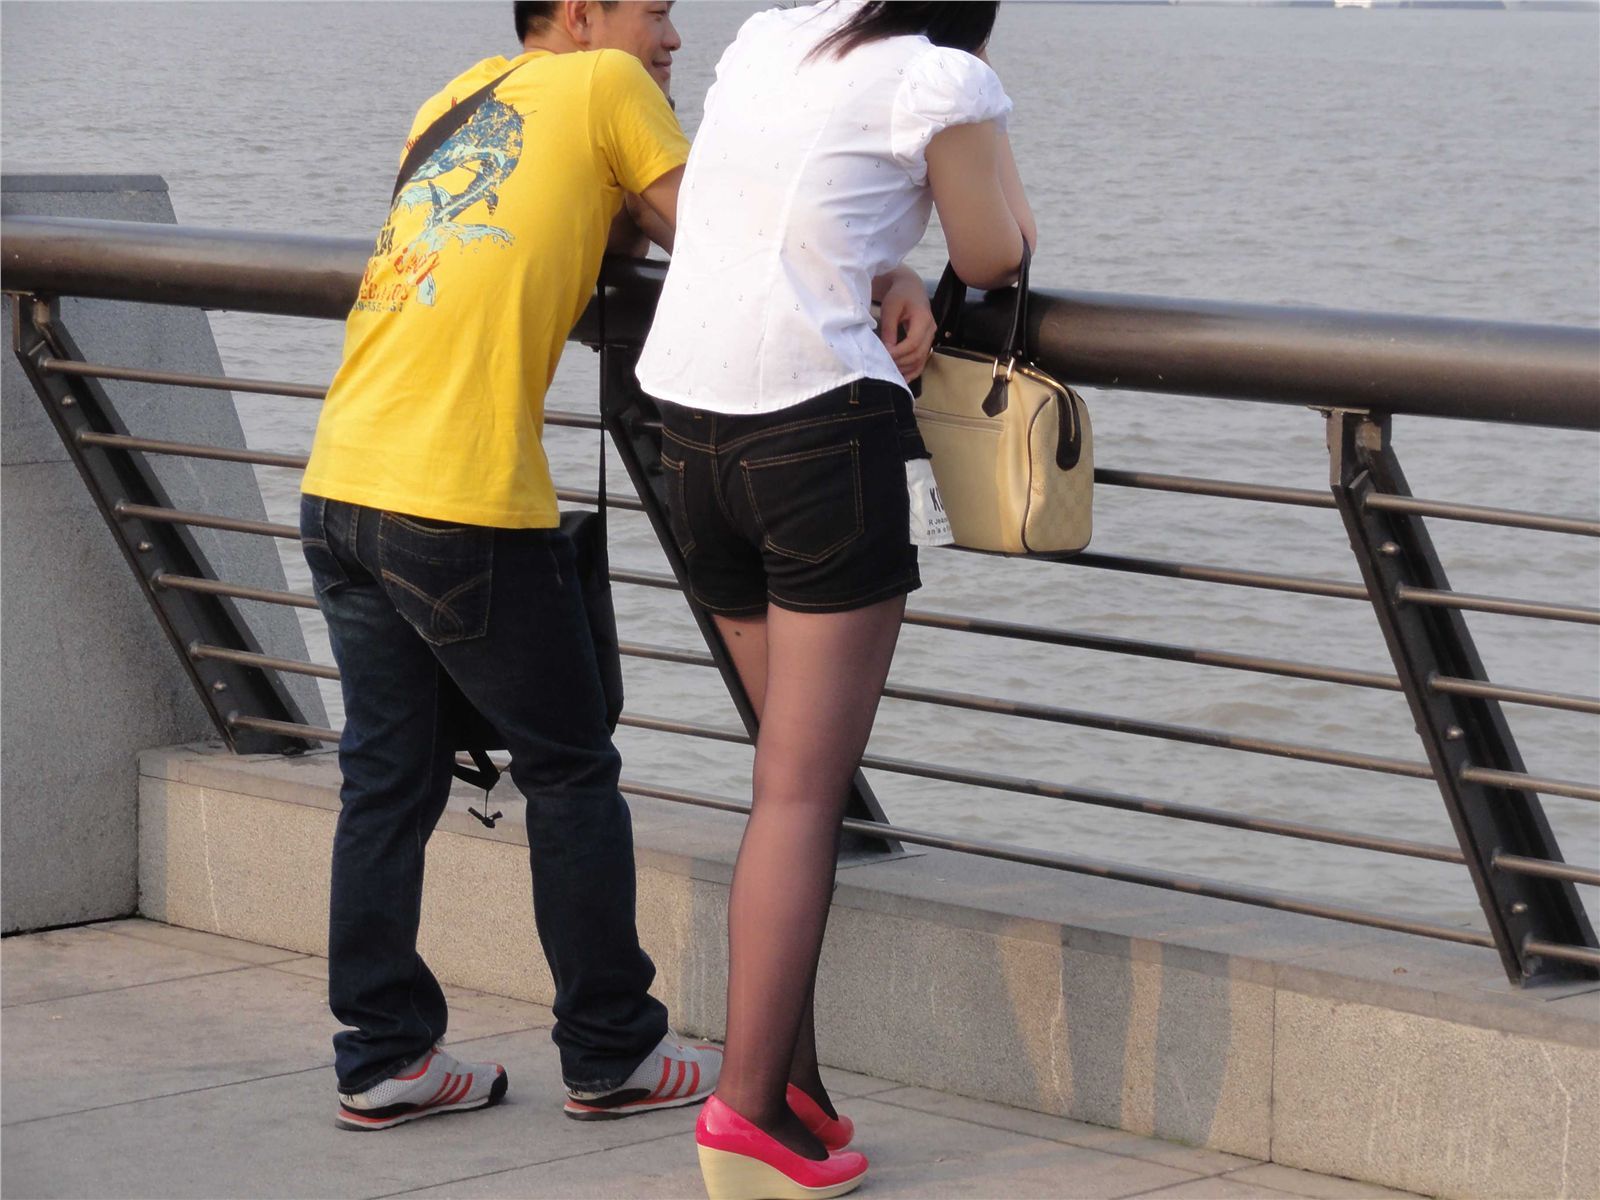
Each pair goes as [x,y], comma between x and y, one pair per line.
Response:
[578,17]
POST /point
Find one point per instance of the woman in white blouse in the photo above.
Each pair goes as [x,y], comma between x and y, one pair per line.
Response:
[829,135]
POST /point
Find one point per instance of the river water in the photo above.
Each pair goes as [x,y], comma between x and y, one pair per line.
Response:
[1410,161]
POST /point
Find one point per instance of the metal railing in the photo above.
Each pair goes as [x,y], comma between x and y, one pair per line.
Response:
[1357,369]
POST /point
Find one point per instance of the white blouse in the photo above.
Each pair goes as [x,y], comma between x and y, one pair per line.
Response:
[805,181]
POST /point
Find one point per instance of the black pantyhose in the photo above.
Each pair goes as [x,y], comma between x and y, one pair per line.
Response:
[815,680]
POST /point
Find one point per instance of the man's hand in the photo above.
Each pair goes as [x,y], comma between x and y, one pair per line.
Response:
[905,319]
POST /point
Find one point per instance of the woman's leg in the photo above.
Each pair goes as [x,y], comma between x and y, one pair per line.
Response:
[825,673]
[746,640]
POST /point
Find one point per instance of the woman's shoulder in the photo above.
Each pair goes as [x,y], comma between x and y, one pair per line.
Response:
[943,82]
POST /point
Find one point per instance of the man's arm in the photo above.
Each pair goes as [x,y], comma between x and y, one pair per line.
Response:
[660,208]
[626,238]
[648,225]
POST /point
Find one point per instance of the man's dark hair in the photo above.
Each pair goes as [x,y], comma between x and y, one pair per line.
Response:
[533,15]
[961,26]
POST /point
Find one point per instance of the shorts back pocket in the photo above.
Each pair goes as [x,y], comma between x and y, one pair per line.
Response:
[808,503]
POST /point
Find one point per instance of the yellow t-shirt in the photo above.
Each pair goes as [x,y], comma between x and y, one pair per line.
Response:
[487,260]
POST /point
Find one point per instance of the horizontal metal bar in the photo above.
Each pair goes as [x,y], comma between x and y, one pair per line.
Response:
[1305,585]
[178,516]
[220,383]
[1226,489]
[1577,954]
[1072,639]
[1515,695]
[199,650]
[1497,604]
[1194,735]
[1480,515]
[1545,869]
[695,658]
[216,587]
[625,503]
[1091,796]
[1122,872]
[261,458]
[315,733]
[571,420]
[1517,781]
[1478,370]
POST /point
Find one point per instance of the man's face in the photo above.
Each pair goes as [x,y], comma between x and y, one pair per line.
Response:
[644,29]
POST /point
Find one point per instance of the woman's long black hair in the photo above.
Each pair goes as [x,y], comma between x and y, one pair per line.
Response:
[963,25]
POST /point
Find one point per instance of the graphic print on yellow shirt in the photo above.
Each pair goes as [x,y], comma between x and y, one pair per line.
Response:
[488,147]
[487,259]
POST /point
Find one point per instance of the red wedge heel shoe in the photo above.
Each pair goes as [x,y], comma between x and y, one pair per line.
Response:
[740,1162]
[833,1132]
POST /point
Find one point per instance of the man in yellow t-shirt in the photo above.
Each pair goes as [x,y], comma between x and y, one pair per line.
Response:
[430,525]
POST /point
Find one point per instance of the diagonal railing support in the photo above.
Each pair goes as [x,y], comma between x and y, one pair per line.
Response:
[118,479]
[1458,731]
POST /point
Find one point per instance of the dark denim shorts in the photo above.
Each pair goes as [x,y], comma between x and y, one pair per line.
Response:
[804,508]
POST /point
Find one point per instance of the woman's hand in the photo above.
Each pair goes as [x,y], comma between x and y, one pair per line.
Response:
[905,319]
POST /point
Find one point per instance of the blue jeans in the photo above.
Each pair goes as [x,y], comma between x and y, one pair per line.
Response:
[499,611]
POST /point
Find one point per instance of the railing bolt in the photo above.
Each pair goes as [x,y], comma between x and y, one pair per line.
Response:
[1389,548]
[145,547]
[67,402]
[1454,733]
[219,686]
[1519,907]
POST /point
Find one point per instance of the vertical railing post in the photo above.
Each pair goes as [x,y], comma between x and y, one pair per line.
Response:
[1394,550]
[116,477]
[631,420]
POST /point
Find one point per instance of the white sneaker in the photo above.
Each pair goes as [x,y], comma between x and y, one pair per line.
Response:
[674,1075]
[438,1082]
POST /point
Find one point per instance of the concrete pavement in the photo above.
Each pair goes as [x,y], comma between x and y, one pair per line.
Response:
[145,1060]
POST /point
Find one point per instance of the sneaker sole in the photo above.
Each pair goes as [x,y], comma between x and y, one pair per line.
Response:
[350,1121]
[577,1110]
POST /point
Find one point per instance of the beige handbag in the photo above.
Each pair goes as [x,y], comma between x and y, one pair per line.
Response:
[1012,451]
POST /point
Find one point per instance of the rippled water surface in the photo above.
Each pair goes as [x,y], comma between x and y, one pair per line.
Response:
[1421,162]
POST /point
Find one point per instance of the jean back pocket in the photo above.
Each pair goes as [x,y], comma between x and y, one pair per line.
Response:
[439,575]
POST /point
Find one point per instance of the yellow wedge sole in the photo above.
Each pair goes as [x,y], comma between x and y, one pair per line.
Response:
[730,1176]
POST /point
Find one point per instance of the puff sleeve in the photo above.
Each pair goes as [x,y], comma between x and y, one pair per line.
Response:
[942,87]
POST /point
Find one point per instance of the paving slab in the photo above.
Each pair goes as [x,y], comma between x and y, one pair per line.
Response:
[1193,1160]
[1218,1187]
[1307,1183]
[195,939]
[86,960]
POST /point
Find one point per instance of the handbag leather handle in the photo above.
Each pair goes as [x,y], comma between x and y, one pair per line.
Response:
[1016,342]
[949,298]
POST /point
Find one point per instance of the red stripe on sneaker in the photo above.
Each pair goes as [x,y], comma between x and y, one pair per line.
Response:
[677,1082]
[465,1089]
[666,1069]
[447,1085]
[694,1085]
[420,1071]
